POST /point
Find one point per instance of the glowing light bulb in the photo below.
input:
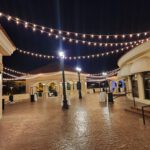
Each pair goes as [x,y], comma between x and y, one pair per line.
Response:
[123,36]
[116,36]
[95,44]
[77,41]
[89,43]
[9,18]
[107,37]
[70,40]
[68,33]
[26,24]
[76,34]
[99,36]
[51,30]
[60,32]
[92,36]
[145,33]
[83,35]
[64,38]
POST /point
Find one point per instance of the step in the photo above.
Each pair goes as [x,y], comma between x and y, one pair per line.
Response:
[140,109]
[137,111]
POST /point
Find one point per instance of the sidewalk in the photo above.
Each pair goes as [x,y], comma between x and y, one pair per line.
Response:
[87,125]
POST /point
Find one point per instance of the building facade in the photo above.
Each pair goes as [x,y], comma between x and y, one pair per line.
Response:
[135,71]
[6,49]
[46,84]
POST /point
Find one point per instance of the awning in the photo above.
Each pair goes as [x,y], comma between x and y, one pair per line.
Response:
[141,65]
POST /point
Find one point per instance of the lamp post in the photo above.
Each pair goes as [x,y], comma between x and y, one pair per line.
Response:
[105,74]
[65,102]
[78,69]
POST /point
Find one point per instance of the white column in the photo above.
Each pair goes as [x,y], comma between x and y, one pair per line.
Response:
[1,68]
[0,95]
[129,95]
[140,86]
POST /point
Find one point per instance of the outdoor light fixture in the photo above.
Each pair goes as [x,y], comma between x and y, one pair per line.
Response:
[64,99]
[78,69]
[61,54]
[104,73]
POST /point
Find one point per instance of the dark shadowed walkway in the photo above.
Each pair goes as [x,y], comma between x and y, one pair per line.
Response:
[87,125]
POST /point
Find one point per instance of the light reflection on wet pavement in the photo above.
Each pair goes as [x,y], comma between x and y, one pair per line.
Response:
[87,125]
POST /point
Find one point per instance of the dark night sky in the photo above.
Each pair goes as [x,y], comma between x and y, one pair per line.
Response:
[84,16]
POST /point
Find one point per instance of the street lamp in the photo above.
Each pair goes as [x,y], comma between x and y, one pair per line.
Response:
[65,102]
[105,74]
[78,69]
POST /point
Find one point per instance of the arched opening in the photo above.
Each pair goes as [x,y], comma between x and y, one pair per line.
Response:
[52,89]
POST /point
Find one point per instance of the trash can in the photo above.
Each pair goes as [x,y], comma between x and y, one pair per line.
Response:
[32,98]
[3,104]
[110,97]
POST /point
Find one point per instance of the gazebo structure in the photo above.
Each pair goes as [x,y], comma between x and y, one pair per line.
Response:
[48,79]
[6,49]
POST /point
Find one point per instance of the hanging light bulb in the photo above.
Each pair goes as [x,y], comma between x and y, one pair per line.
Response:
[64,38]
[138,34]
[123,36]
[51,30]
[43,28]
[76,34]
[107,37]
[49,34]
[1,14]
[99,36]
[60,32]
[92,36]
[70,40]
[76,41]
[89,43]
[83,42]
[68,33]
[131,35]
[145,33]
[17,20]
[95,44]
[83,35]
[56,36]
[9,18]
[116,36]
[26,24]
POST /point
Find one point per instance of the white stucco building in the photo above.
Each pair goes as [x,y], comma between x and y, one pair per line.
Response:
[6,49]
[135,71]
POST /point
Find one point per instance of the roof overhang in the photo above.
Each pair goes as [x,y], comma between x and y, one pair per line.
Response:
[134,53]
[6,45]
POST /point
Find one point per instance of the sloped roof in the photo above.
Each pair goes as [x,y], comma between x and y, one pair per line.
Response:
[52,67]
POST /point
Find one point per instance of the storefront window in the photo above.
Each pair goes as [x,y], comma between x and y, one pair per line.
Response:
[134,82]
[146,78]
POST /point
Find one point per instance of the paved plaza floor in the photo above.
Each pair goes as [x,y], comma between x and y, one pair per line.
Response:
[87,125]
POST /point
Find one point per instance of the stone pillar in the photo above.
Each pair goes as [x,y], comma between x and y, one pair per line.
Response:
[129,95]
[140,86]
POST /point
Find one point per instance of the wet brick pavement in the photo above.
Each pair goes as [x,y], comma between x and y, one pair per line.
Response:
[87,125]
